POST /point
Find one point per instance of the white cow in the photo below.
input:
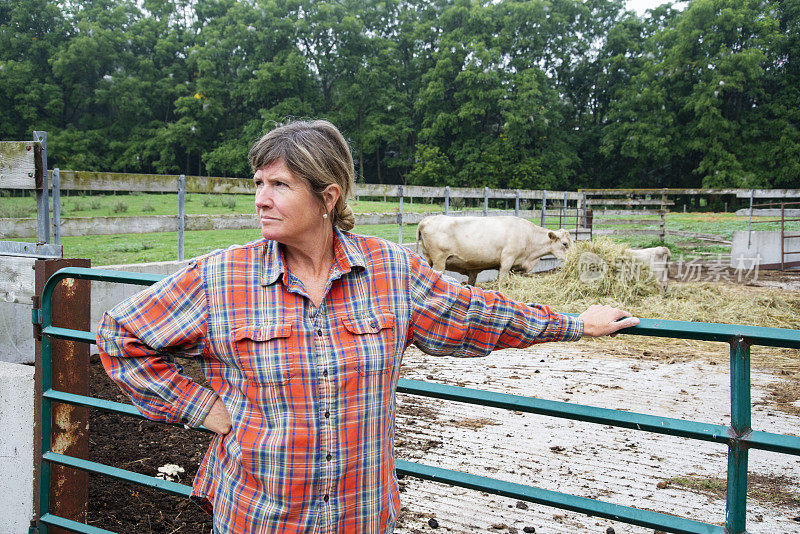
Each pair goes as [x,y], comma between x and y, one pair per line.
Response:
[469,245]
[657,259]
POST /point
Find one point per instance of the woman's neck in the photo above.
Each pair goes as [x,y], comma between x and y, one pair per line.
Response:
[313,257]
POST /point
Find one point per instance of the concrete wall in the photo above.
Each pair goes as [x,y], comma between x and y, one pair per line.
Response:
[16,447]
[16,289]
[764,247]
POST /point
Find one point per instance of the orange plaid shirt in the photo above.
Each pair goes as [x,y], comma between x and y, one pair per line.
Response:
[310,391]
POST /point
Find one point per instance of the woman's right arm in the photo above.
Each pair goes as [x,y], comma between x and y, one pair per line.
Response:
[170,317]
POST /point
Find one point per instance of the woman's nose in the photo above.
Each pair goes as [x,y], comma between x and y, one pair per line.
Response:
[263,198]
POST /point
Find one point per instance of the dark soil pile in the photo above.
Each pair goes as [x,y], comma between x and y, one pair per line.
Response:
[141,446]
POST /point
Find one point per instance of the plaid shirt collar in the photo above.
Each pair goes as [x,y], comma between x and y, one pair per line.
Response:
[347,256]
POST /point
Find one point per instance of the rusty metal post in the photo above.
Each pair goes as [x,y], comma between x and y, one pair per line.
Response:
[69,491]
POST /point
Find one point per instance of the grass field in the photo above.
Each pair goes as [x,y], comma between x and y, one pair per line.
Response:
[135,248]
[167,204]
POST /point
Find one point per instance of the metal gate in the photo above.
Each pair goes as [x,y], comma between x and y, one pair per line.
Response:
[739,436]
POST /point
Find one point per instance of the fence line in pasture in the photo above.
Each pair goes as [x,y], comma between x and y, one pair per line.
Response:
[574,209]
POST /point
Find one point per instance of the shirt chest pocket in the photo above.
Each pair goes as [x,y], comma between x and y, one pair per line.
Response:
[263,352]
[370,338]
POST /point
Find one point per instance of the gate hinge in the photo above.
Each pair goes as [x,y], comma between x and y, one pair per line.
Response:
[36,318]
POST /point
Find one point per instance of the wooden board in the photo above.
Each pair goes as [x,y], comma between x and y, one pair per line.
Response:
[20,165]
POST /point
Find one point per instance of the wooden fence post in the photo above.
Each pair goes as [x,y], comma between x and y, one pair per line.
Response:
[447,199]
[400,214]
[43,192]
[485,201]
[544,207]
[56,206]
[181,214]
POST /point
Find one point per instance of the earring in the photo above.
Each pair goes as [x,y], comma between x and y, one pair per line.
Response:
[324,215]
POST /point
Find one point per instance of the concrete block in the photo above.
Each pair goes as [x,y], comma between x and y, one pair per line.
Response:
[763,249]
[16,447]
[16,333]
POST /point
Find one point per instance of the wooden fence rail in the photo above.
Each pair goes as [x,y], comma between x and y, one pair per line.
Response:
[571,207]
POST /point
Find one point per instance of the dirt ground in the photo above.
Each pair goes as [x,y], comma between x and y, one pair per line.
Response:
[493,444]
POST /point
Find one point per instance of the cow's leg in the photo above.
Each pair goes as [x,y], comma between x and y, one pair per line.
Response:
[529,270]
[506,263]
[438,263]
[473,276]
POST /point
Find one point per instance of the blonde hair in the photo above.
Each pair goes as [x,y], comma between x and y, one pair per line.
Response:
[316,152]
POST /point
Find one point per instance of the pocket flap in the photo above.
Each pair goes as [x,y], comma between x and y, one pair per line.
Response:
[368,324]
[262,332]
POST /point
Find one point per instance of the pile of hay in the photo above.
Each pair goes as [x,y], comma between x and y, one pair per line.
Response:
[600,272]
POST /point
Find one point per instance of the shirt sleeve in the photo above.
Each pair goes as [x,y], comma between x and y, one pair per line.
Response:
[451,319]
[138,337]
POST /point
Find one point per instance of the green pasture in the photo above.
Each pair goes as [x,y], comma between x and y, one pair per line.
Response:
[140,248]
[134,248]
[133,204]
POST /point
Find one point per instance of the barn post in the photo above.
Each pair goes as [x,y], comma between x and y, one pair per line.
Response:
[446,199]
[181,213]
[485,201]
[400,215]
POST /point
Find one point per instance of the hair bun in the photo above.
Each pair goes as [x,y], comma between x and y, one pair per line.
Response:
[345,218]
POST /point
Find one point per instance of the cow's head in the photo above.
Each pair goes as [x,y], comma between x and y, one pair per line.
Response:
[560,241]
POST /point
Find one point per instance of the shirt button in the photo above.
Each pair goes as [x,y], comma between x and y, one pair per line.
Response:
[319,332]
[325,372]
[329,457]
[374,324]
[327,415]
[326,498]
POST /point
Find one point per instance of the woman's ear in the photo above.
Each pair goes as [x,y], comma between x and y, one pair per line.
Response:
[331,196]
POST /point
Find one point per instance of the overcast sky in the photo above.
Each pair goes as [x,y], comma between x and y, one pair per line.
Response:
[640,6]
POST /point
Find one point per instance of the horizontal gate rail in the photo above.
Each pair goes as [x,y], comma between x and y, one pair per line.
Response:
[565,501]
[739,437]
[121,474]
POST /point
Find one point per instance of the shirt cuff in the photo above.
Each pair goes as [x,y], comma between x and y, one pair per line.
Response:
[564,328]
[195,405]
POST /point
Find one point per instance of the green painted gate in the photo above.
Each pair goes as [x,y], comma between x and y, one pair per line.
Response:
[739,436]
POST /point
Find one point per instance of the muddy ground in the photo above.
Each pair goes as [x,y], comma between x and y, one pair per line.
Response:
[651,472]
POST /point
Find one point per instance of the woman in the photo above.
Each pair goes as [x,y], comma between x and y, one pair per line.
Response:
[301,336]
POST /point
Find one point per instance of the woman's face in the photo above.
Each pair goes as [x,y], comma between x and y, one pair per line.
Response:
[287,208]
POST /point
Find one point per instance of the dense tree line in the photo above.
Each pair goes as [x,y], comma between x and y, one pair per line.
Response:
[514,93]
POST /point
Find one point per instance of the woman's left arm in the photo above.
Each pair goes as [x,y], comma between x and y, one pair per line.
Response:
[448,318]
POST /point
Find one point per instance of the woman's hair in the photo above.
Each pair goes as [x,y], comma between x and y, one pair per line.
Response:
[316,152]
